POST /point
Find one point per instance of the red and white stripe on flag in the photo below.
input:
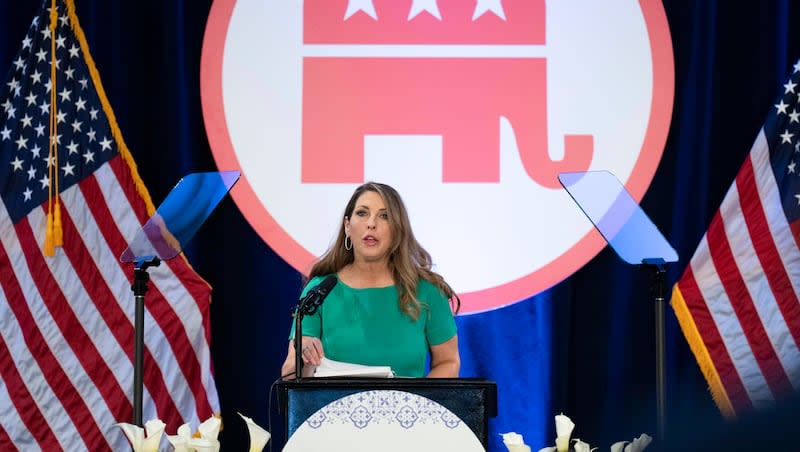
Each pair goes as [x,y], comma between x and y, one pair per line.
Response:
[737,301]
[66,321]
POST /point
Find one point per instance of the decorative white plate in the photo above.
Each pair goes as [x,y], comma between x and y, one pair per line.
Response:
[383,421]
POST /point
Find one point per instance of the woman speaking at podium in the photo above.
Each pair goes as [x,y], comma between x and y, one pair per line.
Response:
[389,308]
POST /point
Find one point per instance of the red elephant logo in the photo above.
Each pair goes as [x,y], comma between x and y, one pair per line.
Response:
[460,98]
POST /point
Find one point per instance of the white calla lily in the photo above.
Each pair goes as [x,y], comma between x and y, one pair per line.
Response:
[618,446]
[639,443]
[180,442]
[564,427]
[136,435]
[258,436]
[514,442]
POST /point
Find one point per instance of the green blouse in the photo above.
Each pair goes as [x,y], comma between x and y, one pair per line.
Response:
[366,326]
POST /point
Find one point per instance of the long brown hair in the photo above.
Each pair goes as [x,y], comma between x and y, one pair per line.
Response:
[408,260]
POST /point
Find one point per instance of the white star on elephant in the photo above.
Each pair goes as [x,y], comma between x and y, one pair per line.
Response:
[484,6]
[354,6]
[418,6]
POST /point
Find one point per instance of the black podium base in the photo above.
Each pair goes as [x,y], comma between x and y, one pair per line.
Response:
[474,401]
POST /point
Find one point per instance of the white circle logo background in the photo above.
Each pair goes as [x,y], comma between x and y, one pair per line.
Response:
[495,242]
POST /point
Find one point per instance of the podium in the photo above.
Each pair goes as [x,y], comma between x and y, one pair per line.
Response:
[473,401]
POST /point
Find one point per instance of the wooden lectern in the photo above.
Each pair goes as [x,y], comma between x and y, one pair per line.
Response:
[474,401]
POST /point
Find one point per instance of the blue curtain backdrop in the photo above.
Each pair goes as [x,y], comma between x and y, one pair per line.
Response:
[585,347]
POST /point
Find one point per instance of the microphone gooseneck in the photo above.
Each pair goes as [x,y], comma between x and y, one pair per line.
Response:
[308,305]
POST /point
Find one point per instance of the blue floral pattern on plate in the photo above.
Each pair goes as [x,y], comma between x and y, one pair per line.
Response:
[384,407]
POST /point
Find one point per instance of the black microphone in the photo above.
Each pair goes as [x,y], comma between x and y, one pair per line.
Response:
[308,305]
[314,298]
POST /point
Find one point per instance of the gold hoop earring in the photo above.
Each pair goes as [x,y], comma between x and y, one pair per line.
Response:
[346,239]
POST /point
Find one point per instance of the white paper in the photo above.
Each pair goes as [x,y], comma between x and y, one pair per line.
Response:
[330,368]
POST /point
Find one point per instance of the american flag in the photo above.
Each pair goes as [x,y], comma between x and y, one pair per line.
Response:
[737,301]
[66,321]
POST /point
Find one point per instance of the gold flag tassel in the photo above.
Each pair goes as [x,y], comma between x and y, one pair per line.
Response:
[54,234]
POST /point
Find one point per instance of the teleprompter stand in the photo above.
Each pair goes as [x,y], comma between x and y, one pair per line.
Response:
[139,287]
[637,241]
[163,237]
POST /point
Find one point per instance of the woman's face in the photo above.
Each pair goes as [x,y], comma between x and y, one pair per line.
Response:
[369,228]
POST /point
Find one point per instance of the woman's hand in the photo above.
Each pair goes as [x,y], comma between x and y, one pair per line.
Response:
[312,354]
[312,351]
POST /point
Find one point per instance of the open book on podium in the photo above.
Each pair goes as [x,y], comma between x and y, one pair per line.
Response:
[331,368]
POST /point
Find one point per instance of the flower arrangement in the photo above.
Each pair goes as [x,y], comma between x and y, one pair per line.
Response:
[514,442]
[148,439]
